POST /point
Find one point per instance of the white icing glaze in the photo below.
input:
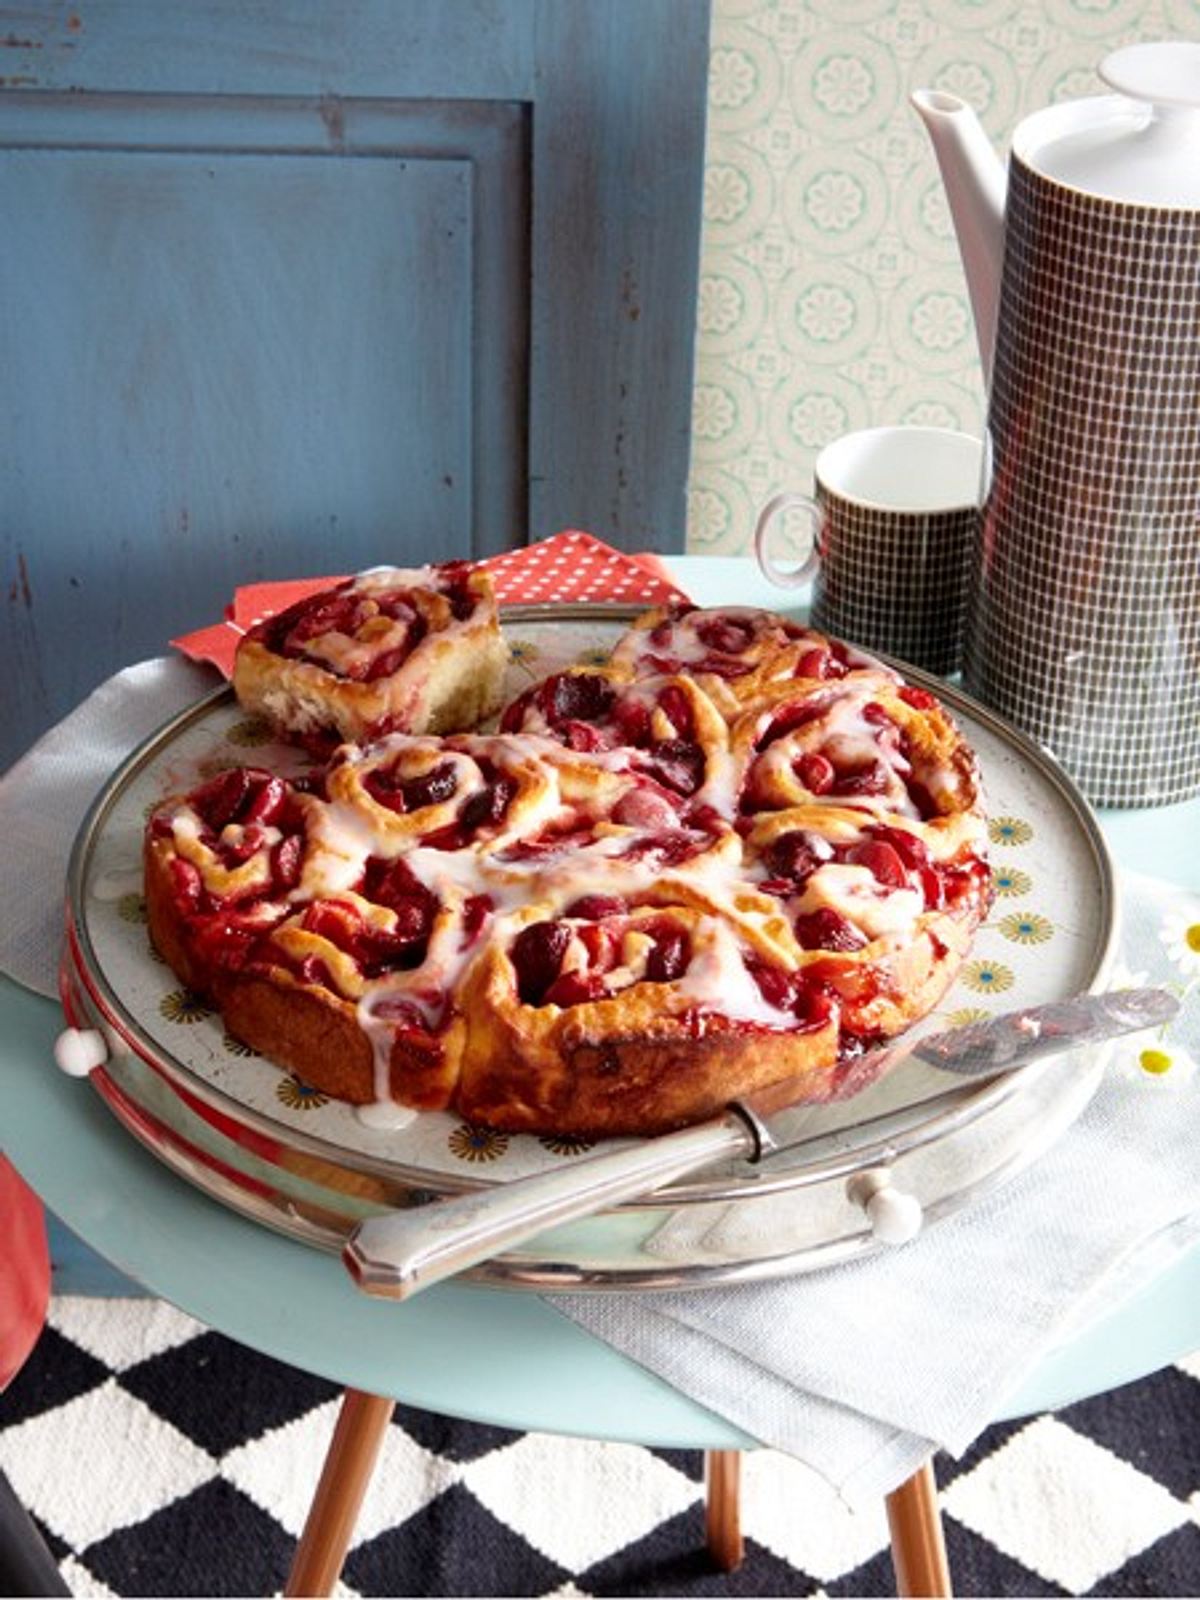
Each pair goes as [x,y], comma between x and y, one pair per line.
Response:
[253,873]
[849,739]
[856,894]
[385,1116]
[717,979]
[350,655]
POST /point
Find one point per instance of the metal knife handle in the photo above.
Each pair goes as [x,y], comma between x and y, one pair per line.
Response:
[398,1253]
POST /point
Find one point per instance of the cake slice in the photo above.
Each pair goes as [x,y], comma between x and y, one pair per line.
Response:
[392,650]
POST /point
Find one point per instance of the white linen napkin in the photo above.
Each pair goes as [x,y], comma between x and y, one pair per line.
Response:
[45,796]
[863,1370]
[859,1370]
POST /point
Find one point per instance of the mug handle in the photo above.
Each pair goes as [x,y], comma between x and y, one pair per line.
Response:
[797,575]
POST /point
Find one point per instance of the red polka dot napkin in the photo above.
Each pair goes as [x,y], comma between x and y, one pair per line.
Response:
[576,566]
[570,566]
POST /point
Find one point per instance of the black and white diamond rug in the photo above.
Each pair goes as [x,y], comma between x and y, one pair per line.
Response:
[159,1458]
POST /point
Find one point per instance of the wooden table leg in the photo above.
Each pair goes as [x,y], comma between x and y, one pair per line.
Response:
[357,1437]
[918,1546]
[722,1507]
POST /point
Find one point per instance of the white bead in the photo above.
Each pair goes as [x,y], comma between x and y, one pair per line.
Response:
[78,1050]
[895,1217]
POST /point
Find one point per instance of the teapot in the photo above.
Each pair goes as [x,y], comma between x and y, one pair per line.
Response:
[1083,626]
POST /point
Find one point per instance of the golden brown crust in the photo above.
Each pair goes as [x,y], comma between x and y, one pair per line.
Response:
[310,1031]
[637,1083]
[167,928]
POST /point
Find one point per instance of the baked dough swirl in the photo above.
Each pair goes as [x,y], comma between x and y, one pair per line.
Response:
[649,892]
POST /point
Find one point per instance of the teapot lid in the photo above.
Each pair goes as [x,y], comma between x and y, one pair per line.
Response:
[1141,145]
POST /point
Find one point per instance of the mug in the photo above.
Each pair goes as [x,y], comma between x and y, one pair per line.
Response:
[893,522]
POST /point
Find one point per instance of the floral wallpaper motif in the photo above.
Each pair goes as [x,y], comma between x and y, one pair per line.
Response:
[831,296]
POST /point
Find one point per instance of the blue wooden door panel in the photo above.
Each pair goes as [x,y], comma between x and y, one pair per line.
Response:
[305,286]
[411,49]
[289,379]
[618,152]
[245,362]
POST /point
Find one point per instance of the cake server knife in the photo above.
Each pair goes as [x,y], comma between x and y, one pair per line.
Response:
[398,1253]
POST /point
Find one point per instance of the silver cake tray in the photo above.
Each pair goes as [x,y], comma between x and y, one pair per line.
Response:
[261,1142]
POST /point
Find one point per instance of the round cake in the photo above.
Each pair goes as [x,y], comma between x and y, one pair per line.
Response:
[738,853]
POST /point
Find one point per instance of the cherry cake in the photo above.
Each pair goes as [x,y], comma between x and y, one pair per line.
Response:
[413,651]
[740,852]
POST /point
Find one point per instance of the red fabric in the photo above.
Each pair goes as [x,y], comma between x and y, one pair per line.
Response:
[24,1271]
[570,566]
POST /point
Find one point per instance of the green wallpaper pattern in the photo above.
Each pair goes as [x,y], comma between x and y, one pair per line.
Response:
[831,295]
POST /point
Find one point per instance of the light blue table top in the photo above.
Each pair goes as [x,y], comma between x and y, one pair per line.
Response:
[502,1357]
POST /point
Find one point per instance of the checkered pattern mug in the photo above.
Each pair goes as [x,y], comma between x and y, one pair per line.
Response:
[893,527]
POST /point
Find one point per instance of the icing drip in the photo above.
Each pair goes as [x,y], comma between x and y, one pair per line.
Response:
[717,979]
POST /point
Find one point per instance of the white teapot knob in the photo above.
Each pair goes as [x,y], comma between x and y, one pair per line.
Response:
[78,1050]
[895,1217]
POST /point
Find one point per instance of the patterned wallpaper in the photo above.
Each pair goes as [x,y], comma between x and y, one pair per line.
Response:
[831,295]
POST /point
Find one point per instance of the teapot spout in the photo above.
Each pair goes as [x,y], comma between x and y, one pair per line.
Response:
[975,189]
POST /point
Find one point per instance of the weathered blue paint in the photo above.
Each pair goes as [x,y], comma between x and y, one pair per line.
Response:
[300,286]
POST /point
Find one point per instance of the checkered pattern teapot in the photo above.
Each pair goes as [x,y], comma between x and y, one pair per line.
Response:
[1083,627]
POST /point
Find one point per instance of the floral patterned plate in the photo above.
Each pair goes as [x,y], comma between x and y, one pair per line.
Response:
[269,1143]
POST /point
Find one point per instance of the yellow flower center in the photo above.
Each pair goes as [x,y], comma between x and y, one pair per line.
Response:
[1155,1061]
[1191,937]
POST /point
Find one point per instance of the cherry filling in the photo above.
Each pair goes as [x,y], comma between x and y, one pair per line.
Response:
[826,929]
[229,938]
[791,717]
[562,839]
[242,795]
[832,771]
[728,636]
[647,806]
[919,699]
[389,788]
[537,957]
[476,911]
[348,612]
[895,858]
[539,950]
[393,884]
[569,703]
[236,809]
[667,849]
[826,661]
[486,807]
[416,1027]
[676,763]
[456,577]
[287,632]
[483,808]
[669,958]
[595,907]
[810,1002]
[374,950]
[726,639]
[795,856]
[221,931]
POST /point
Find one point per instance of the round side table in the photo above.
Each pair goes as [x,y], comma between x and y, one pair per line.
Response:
[522,1365]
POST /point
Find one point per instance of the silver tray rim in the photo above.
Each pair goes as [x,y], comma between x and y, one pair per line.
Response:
[900,1131]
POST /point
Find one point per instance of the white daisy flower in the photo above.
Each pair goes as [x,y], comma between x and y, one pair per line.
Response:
[1180,934]
[1155,1062]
